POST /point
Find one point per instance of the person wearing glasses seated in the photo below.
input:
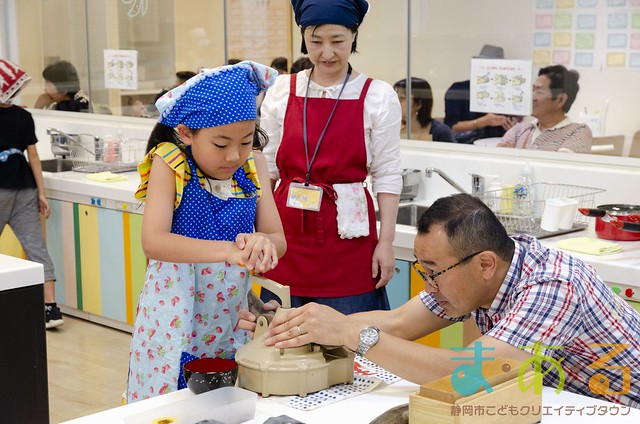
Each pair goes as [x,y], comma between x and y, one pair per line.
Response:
[526,300]
[554,91]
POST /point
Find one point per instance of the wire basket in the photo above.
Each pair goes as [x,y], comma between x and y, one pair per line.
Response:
[92,154]
[519,209]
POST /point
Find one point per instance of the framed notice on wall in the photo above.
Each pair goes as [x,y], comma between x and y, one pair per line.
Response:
[121,69]
[501,86]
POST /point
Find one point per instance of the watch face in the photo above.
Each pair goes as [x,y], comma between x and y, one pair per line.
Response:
[369,336]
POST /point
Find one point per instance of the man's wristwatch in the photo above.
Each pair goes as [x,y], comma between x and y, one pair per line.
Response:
[368,338]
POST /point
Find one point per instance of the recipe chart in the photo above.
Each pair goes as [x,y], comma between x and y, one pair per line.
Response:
[597,34]
[501,86]
[121,69]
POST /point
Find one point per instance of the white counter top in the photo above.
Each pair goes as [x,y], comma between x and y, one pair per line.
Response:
[557,408]
[623,268]
[16,273]
[75,187]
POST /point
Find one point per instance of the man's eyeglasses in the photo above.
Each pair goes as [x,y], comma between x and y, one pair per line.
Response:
[431,278]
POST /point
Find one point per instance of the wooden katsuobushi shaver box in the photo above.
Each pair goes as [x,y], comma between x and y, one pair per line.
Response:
[503,394]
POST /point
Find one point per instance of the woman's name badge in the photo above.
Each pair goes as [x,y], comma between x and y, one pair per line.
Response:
[307,197]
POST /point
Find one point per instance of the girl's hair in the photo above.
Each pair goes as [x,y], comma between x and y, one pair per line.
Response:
[421,95]
[162,133]
[354,45]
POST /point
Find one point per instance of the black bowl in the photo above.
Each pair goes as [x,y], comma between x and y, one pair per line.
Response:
[205,374]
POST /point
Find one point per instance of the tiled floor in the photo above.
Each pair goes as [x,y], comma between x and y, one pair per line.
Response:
[87,366]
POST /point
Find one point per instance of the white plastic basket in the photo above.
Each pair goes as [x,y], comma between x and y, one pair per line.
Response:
[523,215]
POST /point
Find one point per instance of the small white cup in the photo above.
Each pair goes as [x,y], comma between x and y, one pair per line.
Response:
[568,213]
[551,214]
[558,214]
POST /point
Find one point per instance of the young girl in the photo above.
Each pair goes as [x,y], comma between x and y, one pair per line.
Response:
[22,195]
[202,182]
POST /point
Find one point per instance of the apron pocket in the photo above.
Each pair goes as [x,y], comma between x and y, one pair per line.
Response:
[353,214]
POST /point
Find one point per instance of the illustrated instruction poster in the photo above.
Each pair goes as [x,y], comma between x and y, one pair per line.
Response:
[121,69]
[587,33]
[501,86]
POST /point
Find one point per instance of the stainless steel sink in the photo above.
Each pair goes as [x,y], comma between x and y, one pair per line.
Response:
[56,165]
[408,214]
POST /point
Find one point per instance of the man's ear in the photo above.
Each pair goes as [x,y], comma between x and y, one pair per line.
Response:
[488,263]
[561,99]
[185,134]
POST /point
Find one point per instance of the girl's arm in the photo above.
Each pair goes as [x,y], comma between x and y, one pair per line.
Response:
[36,168]
[261,249]
[268,222]
[157,240]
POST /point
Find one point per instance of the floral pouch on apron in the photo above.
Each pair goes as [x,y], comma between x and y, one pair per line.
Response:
[353,214]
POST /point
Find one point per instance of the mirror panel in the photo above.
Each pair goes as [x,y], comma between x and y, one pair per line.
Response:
[177,35]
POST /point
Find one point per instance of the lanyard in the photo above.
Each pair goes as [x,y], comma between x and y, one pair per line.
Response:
[304,124]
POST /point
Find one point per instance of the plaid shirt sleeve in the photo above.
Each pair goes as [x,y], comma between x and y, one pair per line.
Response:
[547,313]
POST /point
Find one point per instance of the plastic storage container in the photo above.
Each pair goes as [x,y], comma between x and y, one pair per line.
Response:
[229,405]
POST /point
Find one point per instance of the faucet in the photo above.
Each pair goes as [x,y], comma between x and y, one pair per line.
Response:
[61,143]
[477,181]
[430,171]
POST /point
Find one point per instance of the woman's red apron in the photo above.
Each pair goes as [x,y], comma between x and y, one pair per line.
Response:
[318,263]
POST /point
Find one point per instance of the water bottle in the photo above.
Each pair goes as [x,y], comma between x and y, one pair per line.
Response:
[494,192]
[523,194]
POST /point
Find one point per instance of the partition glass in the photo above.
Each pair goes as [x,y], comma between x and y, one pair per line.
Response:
[128,51]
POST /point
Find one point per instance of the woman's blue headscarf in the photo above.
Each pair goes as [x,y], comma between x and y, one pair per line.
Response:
[348,13]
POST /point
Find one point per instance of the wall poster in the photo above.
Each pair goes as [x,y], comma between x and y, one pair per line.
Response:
[121,69]
[501,86]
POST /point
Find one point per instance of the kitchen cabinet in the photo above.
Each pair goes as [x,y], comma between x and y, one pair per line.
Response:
[398,286]
[9,244]
[98,259]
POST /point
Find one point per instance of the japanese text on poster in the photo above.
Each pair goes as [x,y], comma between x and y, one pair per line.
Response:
[121,69]
[501,86]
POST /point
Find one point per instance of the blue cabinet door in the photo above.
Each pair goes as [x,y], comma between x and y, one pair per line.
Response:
[398,287]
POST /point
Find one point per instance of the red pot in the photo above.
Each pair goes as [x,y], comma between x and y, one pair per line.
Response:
[626,213]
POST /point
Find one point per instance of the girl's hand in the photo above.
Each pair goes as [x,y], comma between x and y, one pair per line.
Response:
[258,252]
[43,204]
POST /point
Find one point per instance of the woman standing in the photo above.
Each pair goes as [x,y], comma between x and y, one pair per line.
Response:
[329,127]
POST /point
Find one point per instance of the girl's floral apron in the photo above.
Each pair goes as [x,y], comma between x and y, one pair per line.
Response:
[190,310]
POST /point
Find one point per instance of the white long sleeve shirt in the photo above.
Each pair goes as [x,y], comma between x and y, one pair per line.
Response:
[382,117]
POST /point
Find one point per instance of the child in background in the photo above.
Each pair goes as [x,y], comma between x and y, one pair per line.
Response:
[203,183]
[21,185]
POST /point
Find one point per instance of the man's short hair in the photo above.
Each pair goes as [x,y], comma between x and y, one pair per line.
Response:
[470,226]
[562,80]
